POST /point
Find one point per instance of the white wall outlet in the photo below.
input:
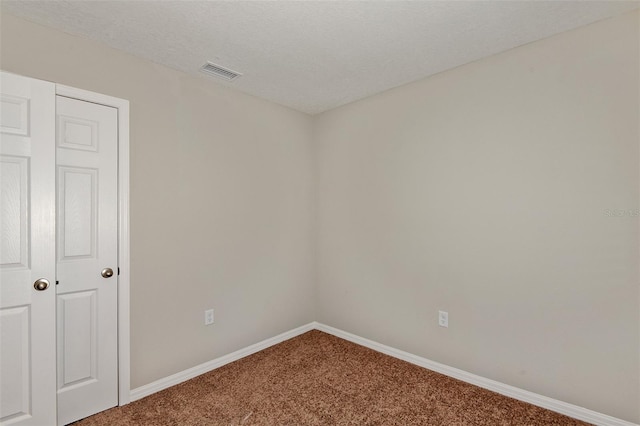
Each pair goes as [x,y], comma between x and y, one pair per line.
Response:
[208,317]
[443,319]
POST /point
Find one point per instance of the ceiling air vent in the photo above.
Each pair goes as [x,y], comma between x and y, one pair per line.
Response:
[218,71]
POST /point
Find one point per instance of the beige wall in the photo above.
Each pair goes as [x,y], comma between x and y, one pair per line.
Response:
[482,191]
[220,201]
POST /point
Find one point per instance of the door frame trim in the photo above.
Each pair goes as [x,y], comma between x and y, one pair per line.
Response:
[124,277]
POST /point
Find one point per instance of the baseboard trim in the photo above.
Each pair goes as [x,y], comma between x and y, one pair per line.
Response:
[561,407]
[565,408]
[190,373]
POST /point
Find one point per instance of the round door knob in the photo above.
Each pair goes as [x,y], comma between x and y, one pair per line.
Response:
[41,284]
[107,273]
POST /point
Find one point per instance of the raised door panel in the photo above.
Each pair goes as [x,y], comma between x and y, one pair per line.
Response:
[78,363]
[14,214]
[14,115]
[77,212]
[15,346]
[77,133]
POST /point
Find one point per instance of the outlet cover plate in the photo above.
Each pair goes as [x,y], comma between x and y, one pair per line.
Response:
[208,317]
[443,319]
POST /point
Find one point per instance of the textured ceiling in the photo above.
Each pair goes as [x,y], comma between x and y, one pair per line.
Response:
[316,55]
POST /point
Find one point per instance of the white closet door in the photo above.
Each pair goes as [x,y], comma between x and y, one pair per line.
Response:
[87,227]
[27,252]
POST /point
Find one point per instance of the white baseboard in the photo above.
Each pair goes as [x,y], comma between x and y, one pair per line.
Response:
[567,409]
[190,373]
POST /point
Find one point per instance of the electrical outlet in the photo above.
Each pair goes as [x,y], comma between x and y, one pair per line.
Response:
[208,317]
[443,319]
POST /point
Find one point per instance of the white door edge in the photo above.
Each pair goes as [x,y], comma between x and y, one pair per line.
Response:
[124,367]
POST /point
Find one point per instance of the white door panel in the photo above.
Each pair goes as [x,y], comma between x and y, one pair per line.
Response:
[27,251]
[87,244]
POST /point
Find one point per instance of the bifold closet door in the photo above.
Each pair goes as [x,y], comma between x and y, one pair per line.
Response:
[58,210]
[27,252]
[87,252]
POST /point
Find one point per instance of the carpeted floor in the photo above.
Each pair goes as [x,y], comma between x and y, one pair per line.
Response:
[319,379]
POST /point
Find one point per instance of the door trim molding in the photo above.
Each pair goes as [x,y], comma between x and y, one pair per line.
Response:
[124,278]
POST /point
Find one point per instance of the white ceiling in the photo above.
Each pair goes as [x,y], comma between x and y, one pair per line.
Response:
[316,55]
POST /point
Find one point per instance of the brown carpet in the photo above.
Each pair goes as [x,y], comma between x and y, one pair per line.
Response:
[319,379]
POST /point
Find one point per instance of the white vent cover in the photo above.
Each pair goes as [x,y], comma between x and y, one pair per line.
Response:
[218,71]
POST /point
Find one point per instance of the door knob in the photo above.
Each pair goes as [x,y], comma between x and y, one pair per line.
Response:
[41,284]
[107,273]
